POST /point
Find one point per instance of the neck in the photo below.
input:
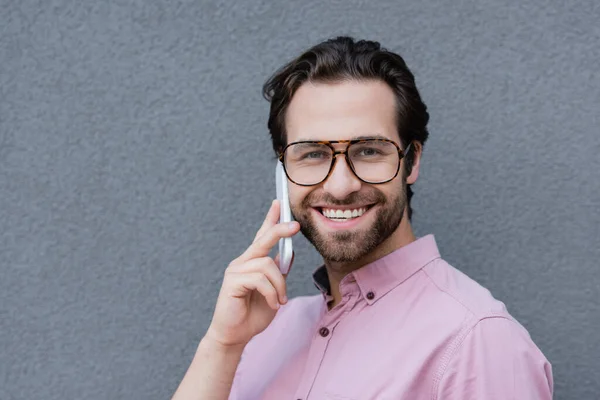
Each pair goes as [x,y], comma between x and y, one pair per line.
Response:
[402,236]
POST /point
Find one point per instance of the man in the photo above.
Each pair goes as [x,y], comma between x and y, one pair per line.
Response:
[394,320]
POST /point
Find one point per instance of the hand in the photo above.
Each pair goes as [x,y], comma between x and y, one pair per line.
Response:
[253,287]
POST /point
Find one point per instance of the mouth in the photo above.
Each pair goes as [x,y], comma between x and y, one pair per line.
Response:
[343,215]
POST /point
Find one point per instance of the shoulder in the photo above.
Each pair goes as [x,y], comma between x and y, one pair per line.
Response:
[491,351]
[495,359]
[463,292]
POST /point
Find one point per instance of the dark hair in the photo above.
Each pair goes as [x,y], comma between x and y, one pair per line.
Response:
[341,59]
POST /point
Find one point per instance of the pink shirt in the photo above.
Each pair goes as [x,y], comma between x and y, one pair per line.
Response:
[410,326]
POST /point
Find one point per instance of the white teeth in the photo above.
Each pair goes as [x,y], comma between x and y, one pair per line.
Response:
[343,215]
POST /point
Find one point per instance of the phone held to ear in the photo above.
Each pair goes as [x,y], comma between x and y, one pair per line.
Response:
[285,215]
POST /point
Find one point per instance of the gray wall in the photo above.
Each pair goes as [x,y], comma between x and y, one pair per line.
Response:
[135,164]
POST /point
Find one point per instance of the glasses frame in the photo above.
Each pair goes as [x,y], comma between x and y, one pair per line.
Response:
[329,143]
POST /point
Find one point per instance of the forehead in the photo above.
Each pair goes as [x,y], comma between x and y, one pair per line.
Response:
[342,110]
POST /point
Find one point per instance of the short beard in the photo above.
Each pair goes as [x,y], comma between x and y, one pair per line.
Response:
[349,247]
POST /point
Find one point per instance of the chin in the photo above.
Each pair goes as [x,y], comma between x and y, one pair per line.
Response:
[350,236]
[346,245]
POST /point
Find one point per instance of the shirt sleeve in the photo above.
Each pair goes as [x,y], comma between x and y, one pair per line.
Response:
[497,360]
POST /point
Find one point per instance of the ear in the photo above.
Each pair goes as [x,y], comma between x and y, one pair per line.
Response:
[414,172]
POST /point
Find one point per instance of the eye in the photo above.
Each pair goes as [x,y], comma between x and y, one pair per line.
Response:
[368,151]
[314,155]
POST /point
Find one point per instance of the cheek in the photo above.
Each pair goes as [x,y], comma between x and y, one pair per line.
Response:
[391,190]
[297,195]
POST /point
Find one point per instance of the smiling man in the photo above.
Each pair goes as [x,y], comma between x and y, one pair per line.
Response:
[393,320]
[352,208]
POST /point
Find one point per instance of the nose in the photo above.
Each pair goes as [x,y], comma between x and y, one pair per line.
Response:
[342,181]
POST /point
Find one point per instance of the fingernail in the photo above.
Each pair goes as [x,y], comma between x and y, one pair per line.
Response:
[285,299]
[292,225]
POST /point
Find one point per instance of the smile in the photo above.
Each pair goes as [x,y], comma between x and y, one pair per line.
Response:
[342,214]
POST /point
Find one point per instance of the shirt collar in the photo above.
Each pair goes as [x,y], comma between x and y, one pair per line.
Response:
[376,279]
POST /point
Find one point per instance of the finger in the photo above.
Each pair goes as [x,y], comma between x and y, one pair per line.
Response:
[269,268]
[270,219]
[246,283]
[263,245]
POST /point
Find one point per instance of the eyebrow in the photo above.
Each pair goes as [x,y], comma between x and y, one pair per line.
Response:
[371,137]
[361,137]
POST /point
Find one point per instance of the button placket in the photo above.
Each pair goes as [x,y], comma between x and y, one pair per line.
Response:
[318,349]
[334,316]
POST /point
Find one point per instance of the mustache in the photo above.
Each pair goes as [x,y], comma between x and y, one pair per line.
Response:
[374,196]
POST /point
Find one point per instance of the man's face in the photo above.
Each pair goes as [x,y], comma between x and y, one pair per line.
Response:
[340,111]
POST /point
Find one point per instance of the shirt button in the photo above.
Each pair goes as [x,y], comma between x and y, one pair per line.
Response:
[323,331]
[370,295]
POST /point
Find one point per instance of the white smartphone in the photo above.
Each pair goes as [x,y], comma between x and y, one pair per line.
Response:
[285,244]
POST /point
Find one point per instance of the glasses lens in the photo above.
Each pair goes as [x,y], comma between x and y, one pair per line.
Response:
[374,161]
[307,163]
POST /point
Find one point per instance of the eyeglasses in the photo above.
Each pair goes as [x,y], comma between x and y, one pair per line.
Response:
[373,161]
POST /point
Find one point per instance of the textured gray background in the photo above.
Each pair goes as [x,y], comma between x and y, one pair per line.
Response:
[135,164]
